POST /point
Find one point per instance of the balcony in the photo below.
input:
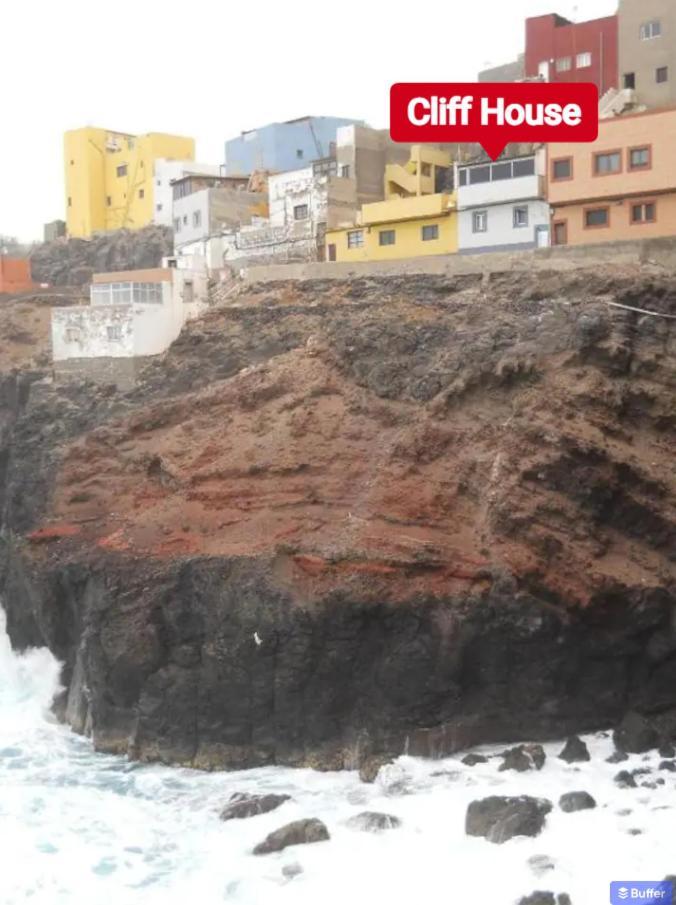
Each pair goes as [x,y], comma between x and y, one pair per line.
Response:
[500,182]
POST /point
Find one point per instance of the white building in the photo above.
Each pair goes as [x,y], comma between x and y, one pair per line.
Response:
[502,206]
[165,172]
[133,314]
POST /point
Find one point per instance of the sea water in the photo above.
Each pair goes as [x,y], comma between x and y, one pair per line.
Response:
[81,828]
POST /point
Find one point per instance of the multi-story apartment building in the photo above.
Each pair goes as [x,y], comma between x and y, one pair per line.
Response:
[647,49]
[204,205]
[558,50]
[414,220]
[279,147]
[502,205]
[622,186]
[109,177]
[166,172]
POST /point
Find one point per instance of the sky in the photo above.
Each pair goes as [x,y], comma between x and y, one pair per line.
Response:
[211,69]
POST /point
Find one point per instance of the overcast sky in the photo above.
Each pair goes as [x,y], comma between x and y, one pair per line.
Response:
[212,68]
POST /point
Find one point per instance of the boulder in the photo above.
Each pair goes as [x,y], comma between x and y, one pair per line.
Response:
[576,801]
[291,870]
[523,757]
[243,805]
[575,751]
[369,766]
[635,735]
[499,818]
[667,750]
[373,821]
[669,765]
[625,780]
[300,832]
[473,759]
[617,757]
[541,864]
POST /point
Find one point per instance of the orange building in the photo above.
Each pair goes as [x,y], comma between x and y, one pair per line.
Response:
[620,187]
[15,274]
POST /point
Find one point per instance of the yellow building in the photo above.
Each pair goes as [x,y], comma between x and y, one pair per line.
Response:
[110,180]
[414,219]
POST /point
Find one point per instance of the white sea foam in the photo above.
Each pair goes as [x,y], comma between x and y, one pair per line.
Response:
[79,828]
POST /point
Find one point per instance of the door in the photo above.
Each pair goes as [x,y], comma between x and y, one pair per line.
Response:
[188,292]
[332,252]
[560,232]
[543,71]
[542,236]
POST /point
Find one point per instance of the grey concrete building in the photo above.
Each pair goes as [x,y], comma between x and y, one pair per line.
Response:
[647,50]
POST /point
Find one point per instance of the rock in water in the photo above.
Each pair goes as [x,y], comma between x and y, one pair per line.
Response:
[523,757]
[667,750]
[500,818]
[541,864]
[300,832]
[617,757]
[669,765]
[575,751]
[243,805]
[473,759]
[576,801]
[635,735]
[369,767]
[292,870]
[625,780]
[373,821]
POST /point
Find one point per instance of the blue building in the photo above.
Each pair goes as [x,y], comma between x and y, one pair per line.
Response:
[283,146]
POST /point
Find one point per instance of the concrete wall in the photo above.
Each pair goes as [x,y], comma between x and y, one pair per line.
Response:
[217,209]
[643,57]
[659,252]
[501,231]
[123,372]
[82,332]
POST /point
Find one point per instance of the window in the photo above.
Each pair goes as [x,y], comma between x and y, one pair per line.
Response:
[188,292]
[141,193]
[479,174]
[430,232]
[158,183]
[595,217]
[650,30]
[386,237]
[301,212]
[158,208]
[584,60]
[645,212]
[501,171]
[607,162]
[114,332]
[73,334]
[562,168]
[640,158]
[146,293]
[630,80]
[662,75]
[70,201]
[462,177]
[109,201]
[523,167]
[560,232]
[480,221]
[355,238]
[520,217]
[72,162]
[564,64]
[345,171]
[425,169]
[185,219]
[197,219]
[299,153]
[122,170]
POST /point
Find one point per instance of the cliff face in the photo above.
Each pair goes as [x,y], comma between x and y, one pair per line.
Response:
[360,517]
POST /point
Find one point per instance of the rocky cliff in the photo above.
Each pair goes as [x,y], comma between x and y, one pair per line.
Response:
[344,519]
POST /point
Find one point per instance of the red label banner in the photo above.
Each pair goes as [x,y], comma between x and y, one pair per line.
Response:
[493,113]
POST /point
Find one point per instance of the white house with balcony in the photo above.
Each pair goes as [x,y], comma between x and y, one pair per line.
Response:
[132,315]
[502,205]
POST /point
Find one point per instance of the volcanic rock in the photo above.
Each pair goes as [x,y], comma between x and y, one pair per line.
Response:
[300,832]
[373,821]
[523,757]
[473,759]
[576,801]
[575,750]
[635,734]
[500,818]
[243,805]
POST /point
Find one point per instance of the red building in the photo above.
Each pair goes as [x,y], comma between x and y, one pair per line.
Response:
[561,51]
